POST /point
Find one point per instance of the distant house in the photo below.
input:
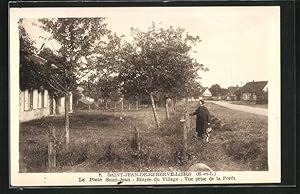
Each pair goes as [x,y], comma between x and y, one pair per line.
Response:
[231,94]
[223,94]
[205,93]
[254,91]
[86,100]
[35,103]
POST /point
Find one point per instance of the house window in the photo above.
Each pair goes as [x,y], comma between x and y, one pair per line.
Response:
[30,99]
[26,100]
[42,99]
[45,98]
[39,99]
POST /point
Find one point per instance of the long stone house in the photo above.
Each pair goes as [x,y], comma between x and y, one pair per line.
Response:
[35,103]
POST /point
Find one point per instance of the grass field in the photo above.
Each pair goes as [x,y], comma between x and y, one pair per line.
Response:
[103,141]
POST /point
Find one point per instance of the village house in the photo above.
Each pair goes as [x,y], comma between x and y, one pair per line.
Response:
[223,94]
[35,103]
[231,94]
[205,93]
[256,91]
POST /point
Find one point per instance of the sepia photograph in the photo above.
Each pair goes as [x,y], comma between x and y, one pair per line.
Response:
[145,95]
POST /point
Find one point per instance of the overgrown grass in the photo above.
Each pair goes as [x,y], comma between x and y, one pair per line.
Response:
[242,146]
[103,141]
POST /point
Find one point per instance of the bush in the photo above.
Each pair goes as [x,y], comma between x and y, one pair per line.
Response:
[76,155]
[35,154]
[153,151]
[243,150]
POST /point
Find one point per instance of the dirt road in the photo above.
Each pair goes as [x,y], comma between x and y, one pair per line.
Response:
[254,110]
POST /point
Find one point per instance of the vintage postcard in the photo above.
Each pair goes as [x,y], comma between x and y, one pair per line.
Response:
[103,96]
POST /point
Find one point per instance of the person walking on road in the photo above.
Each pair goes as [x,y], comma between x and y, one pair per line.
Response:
[202,119]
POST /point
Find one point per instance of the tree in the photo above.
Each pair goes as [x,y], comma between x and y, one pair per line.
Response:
[105,61]
[159,61]
[77,38]
[223,91]
[29,72]
[105,88]
[215,90]
[36,72]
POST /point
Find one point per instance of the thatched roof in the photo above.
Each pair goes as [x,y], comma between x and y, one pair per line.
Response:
[233,89]
[253,87]
[203,90]
[224,91]
[36,59]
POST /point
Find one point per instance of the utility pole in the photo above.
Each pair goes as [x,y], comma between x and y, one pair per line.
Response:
[241,90]
[231,74]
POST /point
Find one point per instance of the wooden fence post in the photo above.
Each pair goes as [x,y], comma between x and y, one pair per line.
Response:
[184,138]
[167,109]
[186,115]
[172,106]
[51,150]
[122,104]
[137,105]
[137,139]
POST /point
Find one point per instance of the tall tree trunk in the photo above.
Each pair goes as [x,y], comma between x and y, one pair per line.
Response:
[56,105]
[128,105]
[67,121]
[106,105]
[172,106]
[184,140]
[167,109]
[175,104]
[122,105]
[137,105]
[51,105]
[154,111]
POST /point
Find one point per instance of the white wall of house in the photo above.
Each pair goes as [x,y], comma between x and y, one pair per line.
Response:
[60,105]
[249,96]
[31,105]
[34,104]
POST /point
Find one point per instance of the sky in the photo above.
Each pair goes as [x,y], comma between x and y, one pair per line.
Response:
[235,41]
